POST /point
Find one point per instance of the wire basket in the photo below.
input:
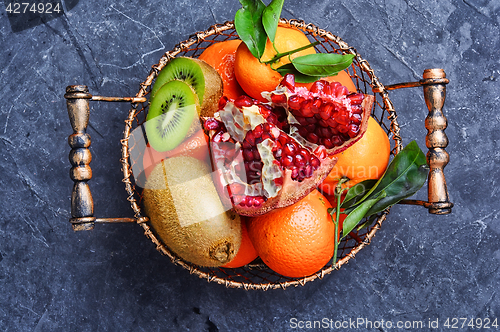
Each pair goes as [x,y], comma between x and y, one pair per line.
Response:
[255,275]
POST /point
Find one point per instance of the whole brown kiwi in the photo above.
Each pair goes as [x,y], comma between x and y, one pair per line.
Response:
[187,214]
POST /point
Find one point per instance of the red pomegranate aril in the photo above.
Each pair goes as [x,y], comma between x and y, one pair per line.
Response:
[243,101]
[211,124]
[287,160]
[294,102]
[278,99]
[303,131]
[336,140]
[327,142]
[341,91]
[289,82]
[311,120]
[290,148]
[283,139]
[356,119]
[257,132]
[318,86]
[356,98]
[310,127]
[326,111]
[353,130]
[306,108]
[300,160]
[312,137]
[247,154]
[256,154]
[222,102]
[315,162]
[343,117]
[250,139]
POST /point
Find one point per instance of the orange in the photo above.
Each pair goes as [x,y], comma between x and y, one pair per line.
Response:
[297,240]
[221,57]
[194,146]
[247,253]
[255,77]
[366,159]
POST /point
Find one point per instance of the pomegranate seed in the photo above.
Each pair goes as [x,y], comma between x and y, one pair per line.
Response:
[243,101]
[343,117]
[341,91]
[301,120]
[326,111]
[328,143]
[278,99]
[356,109]
[333,87]
[266,135]
[222,102]
[356,119]
[318,86]
[323,123]
[353,130]
[327,90]
[278,181]
[315,161]
[306,108]
[211,124]
[257,132]
[343,129]
[300,160]
[320,151]
[337,140]
[287,161]
[272,118]
[283,139]
[275,132]
[264,111]
[289,82]
[313,138]
[294,102]
[311,120]
[250,139]
[256,154]
[303,131]
[290,148]
[248,154]
[356,98]
[310,127]
[295,172]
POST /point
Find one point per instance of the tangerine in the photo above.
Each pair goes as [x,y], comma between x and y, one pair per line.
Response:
[221,56]
[246,253]
[254,76]
[297,240]
[366,159]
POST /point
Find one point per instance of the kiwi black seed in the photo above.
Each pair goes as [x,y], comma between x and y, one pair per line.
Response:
[171,115]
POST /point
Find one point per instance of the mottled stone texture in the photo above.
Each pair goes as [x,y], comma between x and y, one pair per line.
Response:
[419,266]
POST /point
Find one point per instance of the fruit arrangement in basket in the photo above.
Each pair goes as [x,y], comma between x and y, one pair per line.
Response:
[263,148]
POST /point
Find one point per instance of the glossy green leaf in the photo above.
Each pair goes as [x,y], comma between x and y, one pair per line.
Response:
[271,16]
[404,176]
[357,192]
[248,25]
[357,214]
[322,64]
[299,77]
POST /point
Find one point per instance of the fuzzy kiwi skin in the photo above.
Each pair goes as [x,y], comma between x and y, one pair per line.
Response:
[214,89]
[196,227]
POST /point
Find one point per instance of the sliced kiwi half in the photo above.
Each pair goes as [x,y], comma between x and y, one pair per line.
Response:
[172,115]
[202,77]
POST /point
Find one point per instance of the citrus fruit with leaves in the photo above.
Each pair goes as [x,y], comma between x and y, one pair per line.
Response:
[221,56]
[295,241]
[366,159]
[254,76]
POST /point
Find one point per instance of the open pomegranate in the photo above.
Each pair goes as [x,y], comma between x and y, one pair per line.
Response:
[270,155]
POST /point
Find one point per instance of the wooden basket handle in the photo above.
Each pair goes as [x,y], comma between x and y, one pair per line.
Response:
[434,84]
[82,204]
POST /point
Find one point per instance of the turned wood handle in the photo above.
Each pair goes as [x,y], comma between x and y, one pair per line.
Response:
[82,204]
[434,83]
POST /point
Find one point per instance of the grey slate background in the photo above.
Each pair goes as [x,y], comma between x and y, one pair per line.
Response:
[418,267]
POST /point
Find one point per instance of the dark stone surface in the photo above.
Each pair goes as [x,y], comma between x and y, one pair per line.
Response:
[419,267]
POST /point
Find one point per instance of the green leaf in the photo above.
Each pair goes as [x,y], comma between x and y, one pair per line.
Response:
[404,176]
[248,25]
[357,192]
[271,16]
[299,77]
[322,64]
[356,215]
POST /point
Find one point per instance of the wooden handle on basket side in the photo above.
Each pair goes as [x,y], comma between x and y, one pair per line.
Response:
[434,82]
[82,204]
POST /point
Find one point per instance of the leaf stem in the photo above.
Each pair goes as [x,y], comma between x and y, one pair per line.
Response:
[280,55]
[338,194]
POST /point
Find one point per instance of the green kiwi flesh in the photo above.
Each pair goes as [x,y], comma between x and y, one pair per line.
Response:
[202,77]
[183,69]
[186,213]
[171,115]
